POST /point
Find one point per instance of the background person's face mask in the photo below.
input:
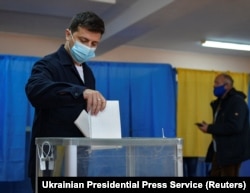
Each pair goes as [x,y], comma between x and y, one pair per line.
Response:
[219,91]
[80,52]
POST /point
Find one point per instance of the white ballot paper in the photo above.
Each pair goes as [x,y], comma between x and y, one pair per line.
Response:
[106,124]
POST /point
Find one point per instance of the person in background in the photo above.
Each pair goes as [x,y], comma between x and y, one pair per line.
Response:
[61,84]
[230,129]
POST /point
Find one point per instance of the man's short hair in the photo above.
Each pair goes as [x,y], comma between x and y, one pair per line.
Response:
[88,20]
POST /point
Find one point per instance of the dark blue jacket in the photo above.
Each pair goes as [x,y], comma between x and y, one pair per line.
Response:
[231,129]
[55,90]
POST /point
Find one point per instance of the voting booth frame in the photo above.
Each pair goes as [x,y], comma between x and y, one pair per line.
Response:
[95,157]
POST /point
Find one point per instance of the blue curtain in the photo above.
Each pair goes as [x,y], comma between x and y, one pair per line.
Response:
[147,95]
[146,92]
[14,119]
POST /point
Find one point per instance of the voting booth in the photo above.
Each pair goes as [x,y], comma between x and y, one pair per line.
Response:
[125,157]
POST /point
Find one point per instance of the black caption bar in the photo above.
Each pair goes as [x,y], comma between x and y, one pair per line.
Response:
[122,184]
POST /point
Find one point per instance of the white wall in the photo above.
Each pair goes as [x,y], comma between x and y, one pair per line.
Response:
[17,44]
[179,59]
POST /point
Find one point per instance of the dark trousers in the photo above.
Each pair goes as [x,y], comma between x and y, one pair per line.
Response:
[217,170]
[190,166]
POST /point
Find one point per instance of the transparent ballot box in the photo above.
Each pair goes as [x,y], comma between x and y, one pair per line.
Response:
[126,157]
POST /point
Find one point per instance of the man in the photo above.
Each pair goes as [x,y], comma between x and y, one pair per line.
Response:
[61,84]
[230,129]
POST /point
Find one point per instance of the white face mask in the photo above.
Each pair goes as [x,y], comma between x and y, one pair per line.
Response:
[80,52]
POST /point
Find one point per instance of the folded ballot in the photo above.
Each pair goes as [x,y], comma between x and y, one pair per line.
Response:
[106,124]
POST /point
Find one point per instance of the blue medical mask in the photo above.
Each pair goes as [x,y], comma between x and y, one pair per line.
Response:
[219,91]
[81,53]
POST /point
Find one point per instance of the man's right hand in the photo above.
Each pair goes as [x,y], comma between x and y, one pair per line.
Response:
[95,101]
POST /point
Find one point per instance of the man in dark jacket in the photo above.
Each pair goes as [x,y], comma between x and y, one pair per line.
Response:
[61,84]
[230,129]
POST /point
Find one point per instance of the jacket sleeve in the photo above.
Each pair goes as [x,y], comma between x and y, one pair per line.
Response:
[231,121]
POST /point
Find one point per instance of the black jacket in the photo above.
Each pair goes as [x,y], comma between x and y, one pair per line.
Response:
[231,129]
[55,90]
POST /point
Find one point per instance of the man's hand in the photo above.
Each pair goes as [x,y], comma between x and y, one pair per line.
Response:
[95,101]
[203,127]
